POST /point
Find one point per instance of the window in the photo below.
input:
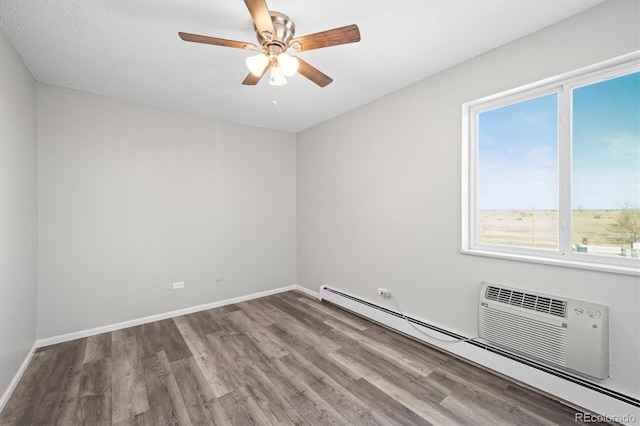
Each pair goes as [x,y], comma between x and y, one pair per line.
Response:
[552,170]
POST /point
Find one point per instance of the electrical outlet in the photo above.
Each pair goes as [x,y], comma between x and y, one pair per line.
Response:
[178,285]
[384,292]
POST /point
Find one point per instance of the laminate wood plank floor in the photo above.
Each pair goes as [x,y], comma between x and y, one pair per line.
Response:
[285,359]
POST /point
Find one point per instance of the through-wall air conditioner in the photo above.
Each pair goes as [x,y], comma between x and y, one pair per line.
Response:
[568,333]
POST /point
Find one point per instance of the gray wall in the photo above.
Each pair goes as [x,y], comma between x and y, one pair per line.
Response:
[379,191]
[18,212]
[134,198]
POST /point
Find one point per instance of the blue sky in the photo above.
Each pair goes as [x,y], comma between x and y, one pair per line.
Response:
[519,155]
[606,143]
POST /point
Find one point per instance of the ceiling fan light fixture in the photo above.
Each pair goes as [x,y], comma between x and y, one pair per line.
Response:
[257,63]
[275,33]
[288,64]
[277,77]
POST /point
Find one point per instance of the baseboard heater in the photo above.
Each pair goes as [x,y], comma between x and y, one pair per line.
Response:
[345,300]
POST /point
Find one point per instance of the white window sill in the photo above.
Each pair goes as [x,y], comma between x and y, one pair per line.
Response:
[567,263]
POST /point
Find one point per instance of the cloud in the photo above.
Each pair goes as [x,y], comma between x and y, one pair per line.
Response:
[544,156]
[623,147]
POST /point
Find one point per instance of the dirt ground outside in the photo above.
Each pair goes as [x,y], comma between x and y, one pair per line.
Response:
[539,228]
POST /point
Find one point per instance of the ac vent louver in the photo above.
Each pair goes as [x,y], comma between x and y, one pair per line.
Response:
[528,301]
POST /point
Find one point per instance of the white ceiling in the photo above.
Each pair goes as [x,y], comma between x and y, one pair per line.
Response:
[131,50]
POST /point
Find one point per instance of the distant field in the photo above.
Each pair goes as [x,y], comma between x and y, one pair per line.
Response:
[528,228]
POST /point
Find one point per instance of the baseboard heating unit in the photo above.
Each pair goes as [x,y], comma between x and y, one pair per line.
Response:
[534,370]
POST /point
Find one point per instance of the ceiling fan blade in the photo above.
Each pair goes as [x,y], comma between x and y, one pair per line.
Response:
[260,15]
[313,74]
[334,37]
[217,41]
[252,79]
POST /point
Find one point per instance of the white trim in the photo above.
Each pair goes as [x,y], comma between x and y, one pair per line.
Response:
[562,389]
[48,341]
[626,270]
[305,290]
[620,63]
[14,382]
[563,85]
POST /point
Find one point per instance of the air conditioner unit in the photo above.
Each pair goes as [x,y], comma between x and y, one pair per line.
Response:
[568,333]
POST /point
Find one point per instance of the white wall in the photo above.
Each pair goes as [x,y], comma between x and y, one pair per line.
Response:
[134,198]
[18,212]
[379,191]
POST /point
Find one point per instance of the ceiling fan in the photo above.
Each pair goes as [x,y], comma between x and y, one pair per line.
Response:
[275,32]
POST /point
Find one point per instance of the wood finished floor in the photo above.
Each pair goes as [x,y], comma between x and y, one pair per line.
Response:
[282,359]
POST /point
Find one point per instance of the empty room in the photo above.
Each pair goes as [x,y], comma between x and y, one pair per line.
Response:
[319,212]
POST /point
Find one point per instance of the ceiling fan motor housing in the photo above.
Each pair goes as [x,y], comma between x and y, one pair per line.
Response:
[275,37]
[284,28]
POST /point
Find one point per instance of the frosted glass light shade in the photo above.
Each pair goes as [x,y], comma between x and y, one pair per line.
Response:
[288,64]
[277,77]
[257,63]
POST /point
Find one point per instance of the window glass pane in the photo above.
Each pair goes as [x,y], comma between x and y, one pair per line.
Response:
[606,167]
[518,174]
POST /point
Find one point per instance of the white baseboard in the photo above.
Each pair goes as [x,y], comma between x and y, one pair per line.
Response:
[14,382]
[591,400]
[308,292]
[158,317]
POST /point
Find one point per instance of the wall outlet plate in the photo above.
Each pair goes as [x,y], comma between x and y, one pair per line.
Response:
[178,285]
[384,292]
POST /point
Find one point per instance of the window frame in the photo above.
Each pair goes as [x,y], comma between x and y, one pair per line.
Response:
[563,85]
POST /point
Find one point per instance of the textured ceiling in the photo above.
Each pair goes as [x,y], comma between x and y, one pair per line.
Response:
[131,49]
